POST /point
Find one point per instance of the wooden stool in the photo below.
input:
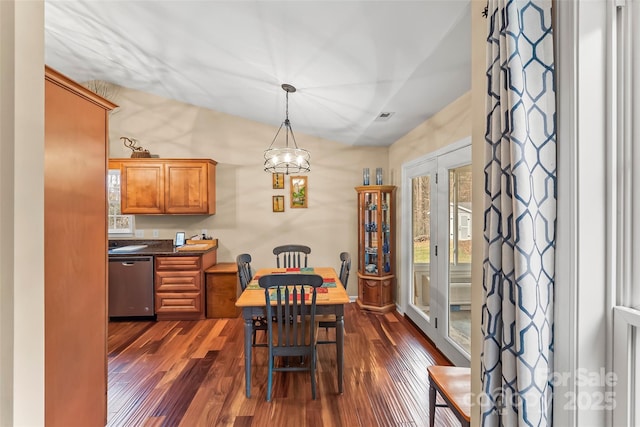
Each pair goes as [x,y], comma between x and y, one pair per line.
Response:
[454,385]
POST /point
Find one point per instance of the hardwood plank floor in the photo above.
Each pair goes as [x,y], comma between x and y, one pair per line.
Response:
[191,373]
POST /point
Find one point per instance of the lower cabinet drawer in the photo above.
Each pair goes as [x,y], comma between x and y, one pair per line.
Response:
[179,286]
[178,263]
[179,303]
[174,281]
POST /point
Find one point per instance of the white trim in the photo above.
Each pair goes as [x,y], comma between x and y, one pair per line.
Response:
[633,144]
[582,325]
[565,311]
[624,320]
[627,315]
[614,218]
[434,154]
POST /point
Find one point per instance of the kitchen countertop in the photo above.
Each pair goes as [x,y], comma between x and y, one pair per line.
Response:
[157,247]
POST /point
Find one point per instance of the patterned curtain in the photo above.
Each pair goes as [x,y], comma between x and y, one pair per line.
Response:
[519,216]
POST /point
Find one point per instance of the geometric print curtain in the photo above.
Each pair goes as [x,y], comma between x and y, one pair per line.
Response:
[519,216]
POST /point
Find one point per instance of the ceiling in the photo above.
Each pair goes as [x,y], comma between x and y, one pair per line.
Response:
[349,60]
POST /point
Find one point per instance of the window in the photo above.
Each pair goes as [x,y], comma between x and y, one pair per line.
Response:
[118,223]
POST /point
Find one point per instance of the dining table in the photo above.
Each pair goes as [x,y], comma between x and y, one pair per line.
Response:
[329,301]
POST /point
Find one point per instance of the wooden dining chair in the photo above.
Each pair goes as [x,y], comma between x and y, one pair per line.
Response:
[244,270]
[293,331]
[329,320]
[245,275]
[345,267]
[453,384]
[291,256]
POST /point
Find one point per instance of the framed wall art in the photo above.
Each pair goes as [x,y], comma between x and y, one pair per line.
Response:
[299,191]
[278,203]
[278,181]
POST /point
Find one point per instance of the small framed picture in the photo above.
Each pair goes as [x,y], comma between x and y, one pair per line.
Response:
[278,181]
[299,192]
[278,203]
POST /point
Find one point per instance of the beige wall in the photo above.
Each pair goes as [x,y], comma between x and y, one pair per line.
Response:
[244,221]
[21,213]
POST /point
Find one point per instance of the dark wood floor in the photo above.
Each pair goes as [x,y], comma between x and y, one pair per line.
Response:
[192,374]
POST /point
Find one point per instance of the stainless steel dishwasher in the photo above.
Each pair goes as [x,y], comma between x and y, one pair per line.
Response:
[131,286]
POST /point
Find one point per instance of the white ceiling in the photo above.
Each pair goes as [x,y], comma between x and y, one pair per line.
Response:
[349,60]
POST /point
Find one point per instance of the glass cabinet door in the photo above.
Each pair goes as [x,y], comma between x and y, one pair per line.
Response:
[375,229]
[385,230]
[371,260]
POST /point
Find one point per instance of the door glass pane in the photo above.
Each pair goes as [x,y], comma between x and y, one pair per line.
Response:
[421,226]
[460,256]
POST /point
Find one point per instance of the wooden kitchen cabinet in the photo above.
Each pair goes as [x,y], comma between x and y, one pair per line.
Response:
[222,290]
[190,187]
[179,290]
[167,186]
[375,293]
[75,245]
[142,187]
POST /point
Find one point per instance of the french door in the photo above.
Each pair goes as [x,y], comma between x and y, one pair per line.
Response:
[436,236]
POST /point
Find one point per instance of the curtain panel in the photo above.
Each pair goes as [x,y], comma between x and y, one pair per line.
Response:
[519,216]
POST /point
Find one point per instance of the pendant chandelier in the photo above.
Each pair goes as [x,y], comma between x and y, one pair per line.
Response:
[287,159]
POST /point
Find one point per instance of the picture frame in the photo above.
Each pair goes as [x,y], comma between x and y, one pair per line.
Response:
[278,203]
[277,180]
[299,192]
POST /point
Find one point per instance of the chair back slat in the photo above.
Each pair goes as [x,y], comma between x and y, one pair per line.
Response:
[345,267]
[244,270]
[291,256]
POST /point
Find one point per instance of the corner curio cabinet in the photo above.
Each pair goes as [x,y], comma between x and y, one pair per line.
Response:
[376,247]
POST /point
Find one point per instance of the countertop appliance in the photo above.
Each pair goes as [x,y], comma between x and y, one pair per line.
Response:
[131,286]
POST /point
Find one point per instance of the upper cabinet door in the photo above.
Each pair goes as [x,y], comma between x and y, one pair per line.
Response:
[142,187]
[167,186]
[187,188]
